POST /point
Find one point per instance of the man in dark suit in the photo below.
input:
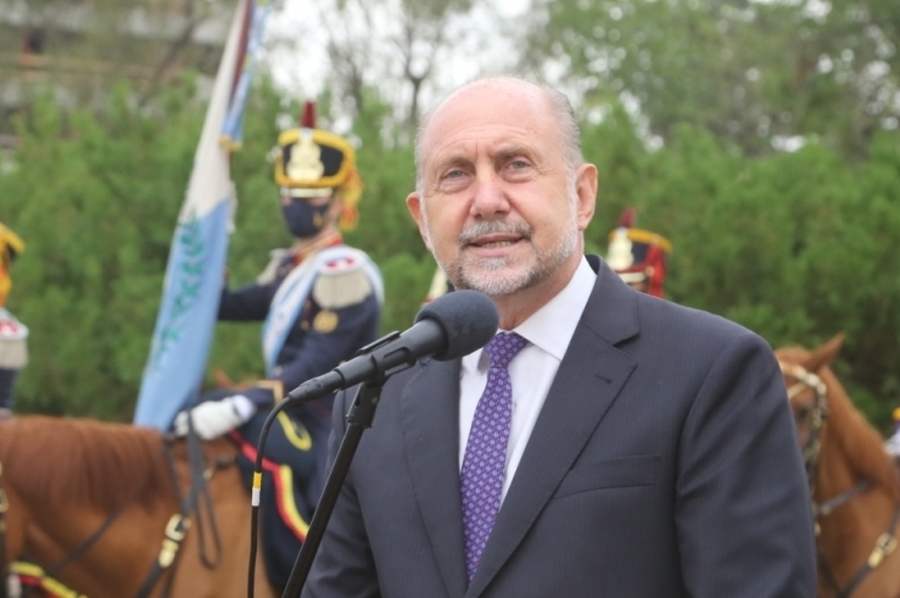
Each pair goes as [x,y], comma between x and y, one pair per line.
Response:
[649,449]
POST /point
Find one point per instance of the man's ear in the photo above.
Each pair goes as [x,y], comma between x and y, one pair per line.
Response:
[414,204]
[586,189]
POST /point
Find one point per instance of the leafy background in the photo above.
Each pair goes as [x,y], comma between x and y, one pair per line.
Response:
[761,139]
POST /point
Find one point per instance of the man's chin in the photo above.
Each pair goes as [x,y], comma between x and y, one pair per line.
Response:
[494,282]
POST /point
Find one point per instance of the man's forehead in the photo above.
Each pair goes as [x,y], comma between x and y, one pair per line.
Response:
[490,99]
[496,87]
[489,127]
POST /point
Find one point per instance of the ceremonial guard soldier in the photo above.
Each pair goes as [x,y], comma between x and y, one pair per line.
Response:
[13,334]
[639,256]
[320,301]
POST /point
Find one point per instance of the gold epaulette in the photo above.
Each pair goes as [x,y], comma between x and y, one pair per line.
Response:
[341,283]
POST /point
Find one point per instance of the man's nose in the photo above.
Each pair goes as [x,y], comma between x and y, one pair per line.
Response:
[489,196]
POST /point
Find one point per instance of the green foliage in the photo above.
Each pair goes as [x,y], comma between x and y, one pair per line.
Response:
[406,280]
[796,246]
[88,199]
[388,174]
[96,199]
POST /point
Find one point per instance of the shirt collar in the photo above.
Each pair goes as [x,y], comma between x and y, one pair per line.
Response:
[552,326]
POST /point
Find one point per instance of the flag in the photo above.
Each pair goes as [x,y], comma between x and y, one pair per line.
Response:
[232,130]
[186,319]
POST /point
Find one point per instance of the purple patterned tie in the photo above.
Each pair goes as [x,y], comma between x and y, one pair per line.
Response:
[484,463]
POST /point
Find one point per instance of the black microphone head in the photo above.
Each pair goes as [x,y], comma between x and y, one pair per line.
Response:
[469,319]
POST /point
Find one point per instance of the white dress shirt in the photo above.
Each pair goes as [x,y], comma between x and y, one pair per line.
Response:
[531,371]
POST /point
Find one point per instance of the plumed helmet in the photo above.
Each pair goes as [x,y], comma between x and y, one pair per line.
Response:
[638,256]
[310,162]
[11,245]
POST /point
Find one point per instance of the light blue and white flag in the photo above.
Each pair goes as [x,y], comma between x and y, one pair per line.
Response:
[186,320]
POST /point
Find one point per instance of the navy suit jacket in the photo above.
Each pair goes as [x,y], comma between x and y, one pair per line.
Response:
[663,464]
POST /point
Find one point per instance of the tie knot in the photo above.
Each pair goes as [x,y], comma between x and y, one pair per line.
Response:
[503,347]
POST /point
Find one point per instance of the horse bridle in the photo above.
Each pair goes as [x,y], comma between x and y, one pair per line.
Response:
[886,543]
[196,501]
[818,415]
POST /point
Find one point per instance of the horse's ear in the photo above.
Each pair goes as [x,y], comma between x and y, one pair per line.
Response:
[825,354]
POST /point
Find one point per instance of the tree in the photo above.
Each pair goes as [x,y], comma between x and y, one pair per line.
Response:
[399,47]
[795,246]
[97,220]
[78,49]
[760,76]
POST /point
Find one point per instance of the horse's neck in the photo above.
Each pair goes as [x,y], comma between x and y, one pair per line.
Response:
[107,558]
[848,533]
[835,473]
[111,546]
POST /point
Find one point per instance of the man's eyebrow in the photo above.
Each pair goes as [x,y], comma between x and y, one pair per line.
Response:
[512,151]
[448,161]
[499,155]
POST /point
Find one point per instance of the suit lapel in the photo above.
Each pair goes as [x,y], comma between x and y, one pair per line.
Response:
[429,414]
[572,411]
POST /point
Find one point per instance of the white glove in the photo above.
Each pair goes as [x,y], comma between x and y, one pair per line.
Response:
[892,445]
[215,418]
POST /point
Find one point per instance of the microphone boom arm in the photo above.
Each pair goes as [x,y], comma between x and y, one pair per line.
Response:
[359,419]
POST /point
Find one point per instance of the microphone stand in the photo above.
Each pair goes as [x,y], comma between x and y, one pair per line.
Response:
[359,418]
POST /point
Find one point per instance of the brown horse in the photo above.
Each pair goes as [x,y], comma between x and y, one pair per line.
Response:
[96,505]
[854,483]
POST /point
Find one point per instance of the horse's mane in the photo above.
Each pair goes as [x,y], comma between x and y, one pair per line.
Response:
[856,438]
[83,461]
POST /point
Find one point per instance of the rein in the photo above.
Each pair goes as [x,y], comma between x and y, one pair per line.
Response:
[887,542]
[197,501]
[85,544]
[884,546]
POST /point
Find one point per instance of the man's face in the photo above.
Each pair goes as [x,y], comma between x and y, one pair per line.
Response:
[500,209]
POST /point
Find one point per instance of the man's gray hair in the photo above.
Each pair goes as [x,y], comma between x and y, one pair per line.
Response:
[570,135]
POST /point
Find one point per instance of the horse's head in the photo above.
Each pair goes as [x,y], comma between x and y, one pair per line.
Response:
[854,482]
[806,391]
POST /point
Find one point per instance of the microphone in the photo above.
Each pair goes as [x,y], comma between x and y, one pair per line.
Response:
[451,326]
